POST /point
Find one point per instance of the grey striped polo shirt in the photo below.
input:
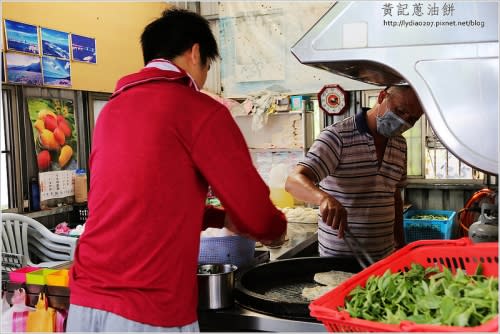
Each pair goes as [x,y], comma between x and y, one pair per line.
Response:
[344,160]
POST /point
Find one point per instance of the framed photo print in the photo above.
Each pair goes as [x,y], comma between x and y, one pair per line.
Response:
[21,37]
[83,49]
[56,72]
[55,43]
[23,69]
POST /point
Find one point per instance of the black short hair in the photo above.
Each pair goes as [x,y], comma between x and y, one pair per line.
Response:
[176,31]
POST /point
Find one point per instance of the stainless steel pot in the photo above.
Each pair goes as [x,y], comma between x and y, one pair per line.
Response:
[215,286]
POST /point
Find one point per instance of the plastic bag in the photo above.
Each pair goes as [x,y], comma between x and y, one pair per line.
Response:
[43,318]
[62,228]
[14,318]
[60,324]
[19,321]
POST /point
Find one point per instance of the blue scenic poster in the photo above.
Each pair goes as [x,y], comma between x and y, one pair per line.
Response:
[83,48]
[55,43]
[56,72]
[23,69]
[21,37]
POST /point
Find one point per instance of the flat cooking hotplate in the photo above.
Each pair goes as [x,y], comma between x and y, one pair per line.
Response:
[275,288]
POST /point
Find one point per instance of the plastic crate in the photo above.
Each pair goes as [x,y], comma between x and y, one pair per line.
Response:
[424,229]
[452,254]
[79,214]
[39,276]
[58,278]
[19,275]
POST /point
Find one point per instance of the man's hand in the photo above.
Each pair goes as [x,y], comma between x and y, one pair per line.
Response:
[333,214]
[301,183]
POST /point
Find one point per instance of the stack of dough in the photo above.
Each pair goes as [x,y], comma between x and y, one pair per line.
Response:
[301,215]
[212,232]
[329,280]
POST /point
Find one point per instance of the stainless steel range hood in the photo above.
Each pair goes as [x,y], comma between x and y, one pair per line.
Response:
[448,52]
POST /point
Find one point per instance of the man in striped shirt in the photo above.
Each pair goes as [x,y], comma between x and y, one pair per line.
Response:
[354,172]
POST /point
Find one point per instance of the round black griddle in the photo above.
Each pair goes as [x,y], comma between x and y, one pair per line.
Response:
[275,288]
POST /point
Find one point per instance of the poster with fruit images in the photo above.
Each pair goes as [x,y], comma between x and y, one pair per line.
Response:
[54,132]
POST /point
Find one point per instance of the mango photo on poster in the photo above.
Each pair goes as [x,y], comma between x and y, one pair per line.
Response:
[54,133]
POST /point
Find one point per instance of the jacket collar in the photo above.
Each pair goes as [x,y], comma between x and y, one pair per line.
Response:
[155,70]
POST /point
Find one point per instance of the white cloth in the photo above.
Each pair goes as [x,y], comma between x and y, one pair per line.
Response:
[167,65]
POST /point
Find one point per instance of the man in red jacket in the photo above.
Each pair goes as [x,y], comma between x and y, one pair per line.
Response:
[157,146]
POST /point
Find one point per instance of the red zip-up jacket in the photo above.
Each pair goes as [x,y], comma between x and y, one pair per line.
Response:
[157,145]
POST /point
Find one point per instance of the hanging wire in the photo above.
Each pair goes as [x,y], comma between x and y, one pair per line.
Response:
[472,209]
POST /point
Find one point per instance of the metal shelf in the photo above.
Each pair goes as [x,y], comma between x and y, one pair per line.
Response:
[50,211]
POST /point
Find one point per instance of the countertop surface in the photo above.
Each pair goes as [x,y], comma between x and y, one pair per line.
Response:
[299,236]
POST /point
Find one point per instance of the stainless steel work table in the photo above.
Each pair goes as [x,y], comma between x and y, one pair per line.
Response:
[300,238]
[239,319]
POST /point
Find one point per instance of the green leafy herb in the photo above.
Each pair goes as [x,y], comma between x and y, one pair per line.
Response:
[426,296]
[430,217]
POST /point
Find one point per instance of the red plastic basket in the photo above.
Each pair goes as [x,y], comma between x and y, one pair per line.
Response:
[452,254]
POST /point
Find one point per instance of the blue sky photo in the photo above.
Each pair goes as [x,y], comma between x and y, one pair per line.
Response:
[83,48]
[56,72]
[21,37]
[55,43]
[24,69]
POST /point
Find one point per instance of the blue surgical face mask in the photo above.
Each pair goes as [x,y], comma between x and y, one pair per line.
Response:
[390,124]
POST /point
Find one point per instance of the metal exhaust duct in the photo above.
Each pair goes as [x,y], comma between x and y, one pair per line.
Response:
[449,56]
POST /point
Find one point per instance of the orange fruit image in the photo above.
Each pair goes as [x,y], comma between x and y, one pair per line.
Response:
[39,125]
[65,155]
[59,135]
[48,140]
[44,112]
[43,160]
[50,122]
[64,125]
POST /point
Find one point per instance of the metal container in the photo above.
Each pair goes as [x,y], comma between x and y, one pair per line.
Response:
[215,286]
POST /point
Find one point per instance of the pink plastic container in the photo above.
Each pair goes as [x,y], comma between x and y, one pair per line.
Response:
[19,275]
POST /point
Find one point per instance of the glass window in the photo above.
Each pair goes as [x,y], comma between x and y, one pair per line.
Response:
[442,164]
[4,189]
[414,146]
[6,152]
[96,102]
[427,157]
[98,105]
[317,126]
